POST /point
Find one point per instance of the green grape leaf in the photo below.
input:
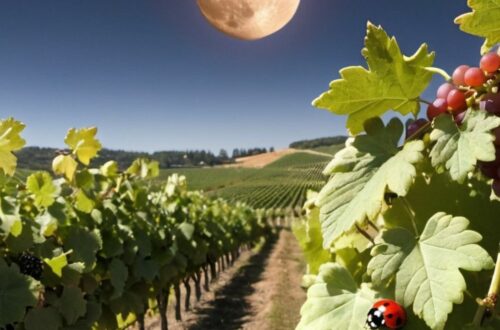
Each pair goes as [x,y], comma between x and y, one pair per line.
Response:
[84,245]
[48,224]
[119,274]
[308,234]
[83,143]
[10,140]
[361,173]
[43,319]
[393,81]
[109,169]
[43,189]
[144,168]
[334,301]
[459,148]
[83,203]
[64,165]
[11,224]
[72,304]
[427,268]
[57,263]
[16,294]
[483,21]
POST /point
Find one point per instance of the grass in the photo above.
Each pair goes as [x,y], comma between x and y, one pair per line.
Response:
[281,184]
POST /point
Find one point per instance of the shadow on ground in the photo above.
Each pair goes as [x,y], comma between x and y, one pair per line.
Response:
[228,309]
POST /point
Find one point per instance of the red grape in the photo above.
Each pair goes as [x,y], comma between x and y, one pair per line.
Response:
[444,90]
[437,107]
[490,62]
[415,126]
[496,187]
[491,103]
[458,75]
[456,100]
[474,77]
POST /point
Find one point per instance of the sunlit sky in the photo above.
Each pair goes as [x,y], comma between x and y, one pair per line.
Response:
[153,75]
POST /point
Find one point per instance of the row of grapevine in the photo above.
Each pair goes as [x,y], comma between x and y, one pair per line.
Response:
[97,247]
[411,218]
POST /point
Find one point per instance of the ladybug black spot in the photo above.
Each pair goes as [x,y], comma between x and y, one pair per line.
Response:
[390,316]
[386,304]
[399,321]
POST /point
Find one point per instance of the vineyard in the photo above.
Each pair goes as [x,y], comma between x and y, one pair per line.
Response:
[98,247]
[279,185]
[397,228]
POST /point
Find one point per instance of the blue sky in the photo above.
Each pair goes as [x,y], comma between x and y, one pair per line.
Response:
[153,75]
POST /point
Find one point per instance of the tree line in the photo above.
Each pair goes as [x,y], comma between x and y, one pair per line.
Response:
[38,158]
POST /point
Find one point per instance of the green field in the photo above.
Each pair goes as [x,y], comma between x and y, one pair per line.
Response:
[281,184]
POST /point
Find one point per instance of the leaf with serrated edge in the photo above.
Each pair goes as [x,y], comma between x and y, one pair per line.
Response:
[334,301]
[43,319]
[16,294]
[308,234]
[43,189]
[361,173]
[483,21]
[392,82]
[119,274]
[64,165]
[72,304]
[427,269]
[10,140]
[83,143]
[459,148]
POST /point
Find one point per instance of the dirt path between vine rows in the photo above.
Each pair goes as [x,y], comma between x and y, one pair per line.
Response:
[261,291]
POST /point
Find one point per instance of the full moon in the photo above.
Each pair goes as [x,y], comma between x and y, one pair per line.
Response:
[248,19]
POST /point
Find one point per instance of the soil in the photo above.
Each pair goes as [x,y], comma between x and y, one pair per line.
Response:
[261,160]
[260,291]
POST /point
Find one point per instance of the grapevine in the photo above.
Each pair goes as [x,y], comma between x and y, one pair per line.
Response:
[410,217]
[100,247]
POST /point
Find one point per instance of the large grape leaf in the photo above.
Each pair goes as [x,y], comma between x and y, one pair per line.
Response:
[43,189]
[72,304]
[392,82]
[119,274]
[16,294]
[83,143]
[427,268]
[459,148]
[308,234]
[362,172]
[10,140]
[43,319]
[483,21]
[334,301]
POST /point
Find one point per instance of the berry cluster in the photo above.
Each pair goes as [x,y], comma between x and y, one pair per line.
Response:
[470,87]
[467,85]
[30,265]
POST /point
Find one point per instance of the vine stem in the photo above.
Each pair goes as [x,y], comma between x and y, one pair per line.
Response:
[490,301]
[365,234]
[425,101]
[439,71]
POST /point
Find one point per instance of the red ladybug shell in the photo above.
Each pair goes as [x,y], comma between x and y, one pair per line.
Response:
[388,313]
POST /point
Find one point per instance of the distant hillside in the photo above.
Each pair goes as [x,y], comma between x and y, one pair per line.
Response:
[320,142]
[41,158]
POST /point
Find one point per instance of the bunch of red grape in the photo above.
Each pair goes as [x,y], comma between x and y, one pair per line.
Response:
[475,88]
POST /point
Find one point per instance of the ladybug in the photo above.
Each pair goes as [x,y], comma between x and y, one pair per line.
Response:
[386,313]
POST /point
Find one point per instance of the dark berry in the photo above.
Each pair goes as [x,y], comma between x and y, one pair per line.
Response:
[30,265]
